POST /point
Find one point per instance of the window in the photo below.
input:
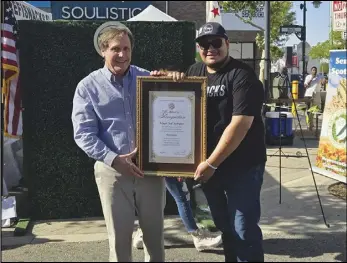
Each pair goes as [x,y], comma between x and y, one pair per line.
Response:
[243,50]
[247,51]
[235,50]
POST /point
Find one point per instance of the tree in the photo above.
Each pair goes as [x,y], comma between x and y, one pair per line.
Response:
[280,14]
[324,67]
[321,50]
[276,53]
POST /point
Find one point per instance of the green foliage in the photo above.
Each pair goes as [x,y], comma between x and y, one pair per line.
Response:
[54,57]
[280,14]
[324,67]
[322,50]
[276,53]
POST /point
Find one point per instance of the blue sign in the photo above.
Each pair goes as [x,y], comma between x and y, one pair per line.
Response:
[46,4]
[97,10]
[338,63]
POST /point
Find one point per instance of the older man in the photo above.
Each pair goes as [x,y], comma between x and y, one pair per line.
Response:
[103,118]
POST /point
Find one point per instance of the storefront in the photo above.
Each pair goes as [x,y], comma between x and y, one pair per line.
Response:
[101,10]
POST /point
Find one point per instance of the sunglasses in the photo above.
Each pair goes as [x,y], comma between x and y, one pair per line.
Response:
[215,43]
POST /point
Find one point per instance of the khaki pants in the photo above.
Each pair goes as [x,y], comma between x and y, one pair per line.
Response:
[119,194]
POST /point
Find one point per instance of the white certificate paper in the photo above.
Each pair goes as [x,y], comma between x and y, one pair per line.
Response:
[171,127]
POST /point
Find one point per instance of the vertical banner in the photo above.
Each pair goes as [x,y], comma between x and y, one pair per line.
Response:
[331,157]
[339,15]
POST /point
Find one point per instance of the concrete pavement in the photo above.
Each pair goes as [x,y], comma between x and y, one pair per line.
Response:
[293,230]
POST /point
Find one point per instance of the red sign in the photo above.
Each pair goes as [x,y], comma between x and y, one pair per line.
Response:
[295,61]
[339,15]
[339,5]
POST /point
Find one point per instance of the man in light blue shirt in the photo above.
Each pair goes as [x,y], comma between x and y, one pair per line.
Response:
[103,117]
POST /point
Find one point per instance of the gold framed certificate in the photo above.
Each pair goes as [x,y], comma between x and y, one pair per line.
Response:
[171,125]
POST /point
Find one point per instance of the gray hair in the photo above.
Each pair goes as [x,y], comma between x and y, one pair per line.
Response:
[112,32]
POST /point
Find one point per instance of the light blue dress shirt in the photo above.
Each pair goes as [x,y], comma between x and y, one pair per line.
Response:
[104,113]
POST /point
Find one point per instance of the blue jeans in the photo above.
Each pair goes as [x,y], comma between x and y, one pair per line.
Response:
[180,193]
[234,200]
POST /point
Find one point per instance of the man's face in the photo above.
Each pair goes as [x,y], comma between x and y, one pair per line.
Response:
[213,50]
[314,71]
[118,54]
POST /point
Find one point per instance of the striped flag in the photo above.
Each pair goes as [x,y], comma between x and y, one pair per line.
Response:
[10,76]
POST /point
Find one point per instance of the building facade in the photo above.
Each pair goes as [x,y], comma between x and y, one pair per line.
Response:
[242,43]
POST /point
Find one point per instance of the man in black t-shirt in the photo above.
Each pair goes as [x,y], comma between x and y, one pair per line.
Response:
[236,160]
[232,175]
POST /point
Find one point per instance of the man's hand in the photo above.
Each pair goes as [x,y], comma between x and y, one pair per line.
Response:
[124,165]
[176,76]
[158,73]
[203,173]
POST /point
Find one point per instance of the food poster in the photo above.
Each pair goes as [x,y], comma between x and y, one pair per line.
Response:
[331,157]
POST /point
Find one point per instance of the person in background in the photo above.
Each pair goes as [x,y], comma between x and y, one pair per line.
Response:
[281,88]
[312,86]
[103,118]
[312,83]
[202,238]
[281,85]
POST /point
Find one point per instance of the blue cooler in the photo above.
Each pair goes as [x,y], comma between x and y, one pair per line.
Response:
[272,124]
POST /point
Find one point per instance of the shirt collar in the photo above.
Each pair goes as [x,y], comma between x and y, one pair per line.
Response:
[109,75]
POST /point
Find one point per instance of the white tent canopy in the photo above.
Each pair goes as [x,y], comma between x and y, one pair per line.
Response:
[152,13]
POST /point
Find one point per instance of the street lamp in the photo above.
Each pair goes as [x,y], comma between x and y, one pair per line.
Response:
[316,4]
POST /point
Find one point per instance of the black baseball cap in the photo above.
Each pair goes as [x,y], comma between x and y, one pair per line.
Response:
[211,29]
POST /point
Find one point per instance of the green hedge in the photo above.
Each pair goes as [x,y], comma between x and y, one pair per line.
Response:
[54,57]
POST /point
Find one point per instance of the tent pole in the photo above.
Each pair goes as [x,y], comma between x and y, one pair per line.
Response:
[167,7]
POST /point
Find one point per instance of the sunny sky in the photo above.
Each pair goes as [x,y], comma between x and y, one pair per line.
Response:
[317,23]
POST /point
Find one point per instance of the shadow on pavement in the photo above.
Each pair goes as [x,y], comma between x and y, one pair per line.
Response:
[296,228]
[9,246]
[316,244]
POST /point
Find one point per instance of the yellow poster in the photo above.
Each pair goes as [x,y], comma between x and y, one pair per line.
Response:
[331,157]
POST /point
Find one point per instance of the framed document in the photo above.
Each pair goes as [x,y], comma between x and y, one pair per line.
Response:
[171,125]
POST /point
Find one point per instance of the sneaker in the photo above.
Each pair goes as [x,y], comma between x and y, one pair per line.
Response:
[203,239]
[138,239]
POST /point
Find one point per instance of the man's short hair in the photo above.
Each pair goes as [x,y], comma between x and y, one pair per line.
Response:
[113,32]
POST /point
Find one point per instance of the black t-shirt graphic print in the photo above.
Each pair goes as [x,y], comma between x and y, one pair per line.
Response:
[234,90]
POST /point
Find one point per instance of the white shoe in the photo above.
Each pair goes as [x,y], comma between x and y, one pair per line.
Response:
[138,239]
[204,239]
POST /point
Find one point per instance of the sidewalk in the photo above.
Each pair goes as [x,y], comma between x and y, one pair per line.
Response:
[293,230]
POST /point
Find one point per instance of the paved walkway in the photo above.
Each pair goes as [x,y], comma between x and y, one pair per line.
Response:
[293,230]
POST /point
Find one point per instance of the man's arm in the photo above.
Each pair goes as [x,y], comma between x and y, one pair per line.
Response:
[85,126]
[232,136]
[247,102]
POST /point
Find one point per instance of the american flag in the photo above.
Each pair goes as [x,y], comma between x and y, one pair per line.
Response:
[10,70]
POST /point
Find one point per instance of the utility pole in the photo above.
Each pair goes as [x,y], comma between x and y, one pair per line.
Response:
[267,64]
[304,42]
